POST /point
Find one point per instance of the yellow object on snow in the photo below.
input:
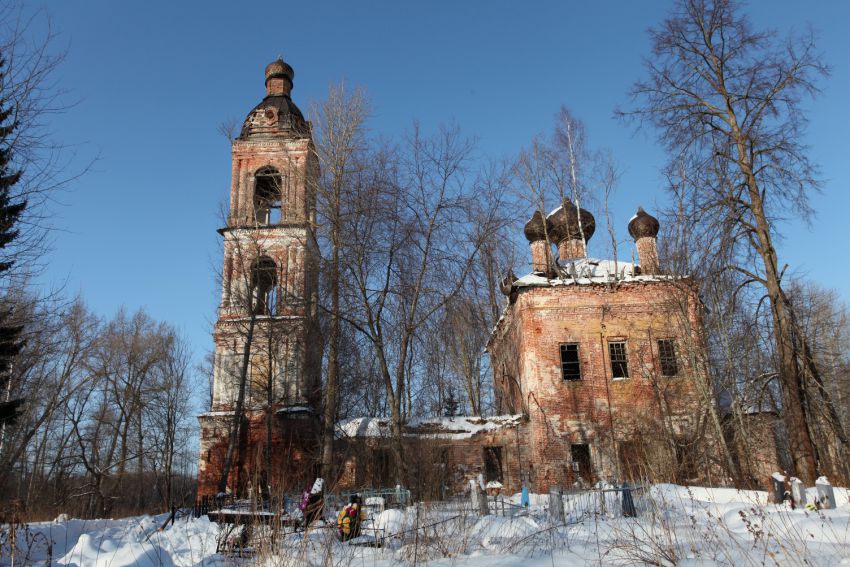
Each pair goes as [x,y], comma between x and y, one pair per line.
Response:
[349,521]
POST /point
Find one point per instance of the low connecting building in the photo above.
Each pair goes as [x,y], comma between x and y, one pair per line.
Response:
[596,363]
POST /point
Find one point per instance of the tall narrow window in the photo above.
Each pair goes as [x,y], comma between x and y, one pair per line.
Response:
[619,359]
[263,280]
[570,365]
[267,196]
[667,357]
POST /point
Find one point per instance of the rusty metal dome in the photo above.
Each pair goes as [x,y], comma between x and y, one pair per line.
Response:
[564,223]
[279,68]
[643,224]
[535,228]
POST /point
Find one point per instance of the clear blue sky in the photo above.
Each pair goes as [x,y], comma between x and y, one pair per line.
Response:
[155,79]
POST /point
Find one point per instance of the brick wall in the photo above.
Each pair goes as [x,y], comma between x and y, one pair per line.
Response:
[437,467]
[665,413]
[294,442]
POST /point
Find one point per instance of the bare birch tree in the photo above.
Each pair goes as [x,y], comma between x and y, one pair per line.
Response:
[409,253]
[339,130]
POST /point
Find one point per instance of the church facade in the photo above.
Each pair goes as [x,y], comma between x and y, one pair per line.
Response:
[604,358]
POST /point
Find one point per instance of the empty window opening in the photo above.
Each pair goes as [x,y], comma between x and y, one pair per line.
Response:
[570,365]
[619,360]
[263,288]
[667,357]
[581,465]
[267,196]
[493,464]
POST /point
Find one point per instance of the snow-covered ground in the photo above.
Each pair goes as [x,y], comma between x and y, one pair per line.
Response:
[676,526]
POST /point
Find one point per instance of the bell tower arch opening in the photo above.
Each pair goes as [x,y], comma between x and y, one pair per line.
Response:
[264,286]
[268,189]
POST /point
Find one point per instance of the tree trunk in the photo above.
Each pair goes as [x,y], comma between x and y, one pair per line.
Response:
[790,376]
[331,387]
[793,389]
[236,426]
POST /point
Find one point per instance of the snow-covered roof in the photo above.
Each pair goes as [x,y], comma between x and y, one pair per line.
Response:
[582,271]
[363,427]
[220,413]
[588,271]
[458,427]
[295,409]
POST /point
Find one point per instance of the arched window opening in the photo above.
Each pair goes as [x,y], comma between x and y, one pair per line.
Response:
[267,196]
[263,285]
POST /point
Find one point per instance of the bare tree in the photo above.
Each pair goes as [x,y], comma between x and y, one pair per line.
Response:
[34,166]
[167,412]
[247,300]
[339,129]
[464,325]
[31,90]
[726,102]
[125,362]
[58,340]
[822,320]
[563,170]
[409,253]
[104,424]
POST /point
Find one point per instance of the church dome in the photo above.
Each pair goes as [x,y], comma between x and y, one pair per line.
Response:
[276,113]
[534,228]
[643,224]
[279,68]
[564,224]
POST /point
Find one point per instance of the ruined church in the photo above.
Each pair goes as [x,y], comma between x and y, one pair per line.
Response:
[595,363]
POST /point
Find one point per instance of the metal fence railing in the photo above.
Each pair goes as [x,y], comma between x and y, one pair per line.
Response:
[612,502]
[376,498]
[571,505]
[397,497]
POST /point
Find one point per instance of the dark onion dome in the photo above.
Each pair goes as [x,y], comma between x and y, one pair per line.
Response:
[276,113]
[535,229]
[643,224]
[563,223]
[279,68]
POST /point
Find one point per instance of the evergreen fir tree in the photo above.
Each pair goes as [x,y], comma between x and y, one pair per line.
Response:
[10,212]
[451,403]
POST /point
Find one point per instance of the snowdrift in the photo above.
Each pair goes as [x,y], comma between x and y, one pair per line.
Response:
[677,525]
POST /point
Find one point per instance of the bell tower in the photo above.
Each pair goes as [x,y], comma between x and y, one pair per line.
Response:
[267,359]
